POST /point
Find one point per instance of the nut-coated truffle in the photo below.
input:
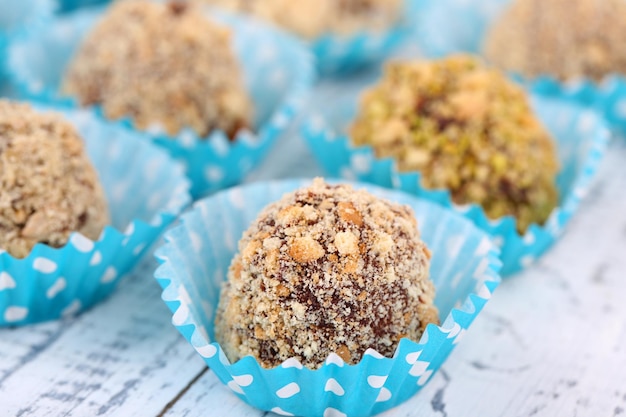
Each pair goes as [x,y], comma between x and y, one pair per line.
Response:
[48,187]
[162,64]
[561,38]
[466,128]
[326,269]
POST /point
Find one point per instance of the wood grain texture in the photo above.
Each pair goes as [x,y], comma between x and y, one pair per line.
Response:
[121,358]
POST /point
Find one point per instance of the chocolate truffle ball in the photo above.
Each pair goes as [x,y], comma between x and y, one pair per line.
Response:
[48,187]
[465,128]
[161,64]
[561,38]
[313,18]
[326,269]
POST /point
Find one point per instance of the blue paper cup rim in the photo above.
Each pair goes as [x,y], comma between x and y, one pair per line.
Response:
[446,27]
[375,383]
[55,282]
[340,157]
[214,162]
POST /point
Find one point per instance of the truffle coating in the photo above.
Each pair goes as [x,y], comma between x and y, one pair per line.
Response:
[465,128]
[48,187]
[562,38]
[161,64]
[326,269]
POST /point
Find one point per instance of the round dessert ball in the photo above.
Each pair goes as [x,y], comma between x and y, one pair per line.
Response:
[326,269]
[48,187]
[161,64]
[467,129]
[313,18]
[562,38]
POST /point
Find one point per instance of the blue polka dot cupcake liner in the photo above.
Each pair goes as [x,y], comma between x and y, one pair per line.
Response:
[16,19]
[195,261]
[450,26]
[278,73]
[145,189]
[581,137]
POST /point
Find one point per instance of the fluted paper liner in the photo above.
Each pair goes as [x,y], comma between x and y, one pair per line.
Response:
[195,261]
[581,137]
[145,191]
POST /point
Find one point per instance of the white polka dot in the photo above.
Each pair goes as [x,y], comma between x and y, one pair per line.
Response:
[234,387]
[181,315]
[196,241]
[383,395]
[498,241]
[376,381]
[81,243]
[109,275]
[484,247]
[373,354]
[96,258]
[280,120]
[527,261]
[412,357]
[333,386]
[288,390]
[424,378]
[6,281]
[207,351]
[243,380]
[56,288]
[586,122]
[529,238]
[334,359]
[456,328]
[220,145]
[13,314]
[292,363]
[361,163]
[237,198]
[484,292]
[138,249]
[186,139]
[72,309]
[333,412]
[280,411]
[44,265]
[130,229]
[480,270]
[214,174]
[348,174]
[459,336]
[419,368]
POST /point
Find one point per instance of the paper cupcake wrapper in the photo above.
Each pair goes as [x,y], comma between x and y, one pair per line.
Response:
[581,138]
[145,190]
[277,70]
[451,26]
[195,261]
[16,19]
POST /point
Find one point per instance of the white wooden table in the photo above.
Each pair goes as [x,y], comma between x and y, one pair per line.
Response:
[552,342]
